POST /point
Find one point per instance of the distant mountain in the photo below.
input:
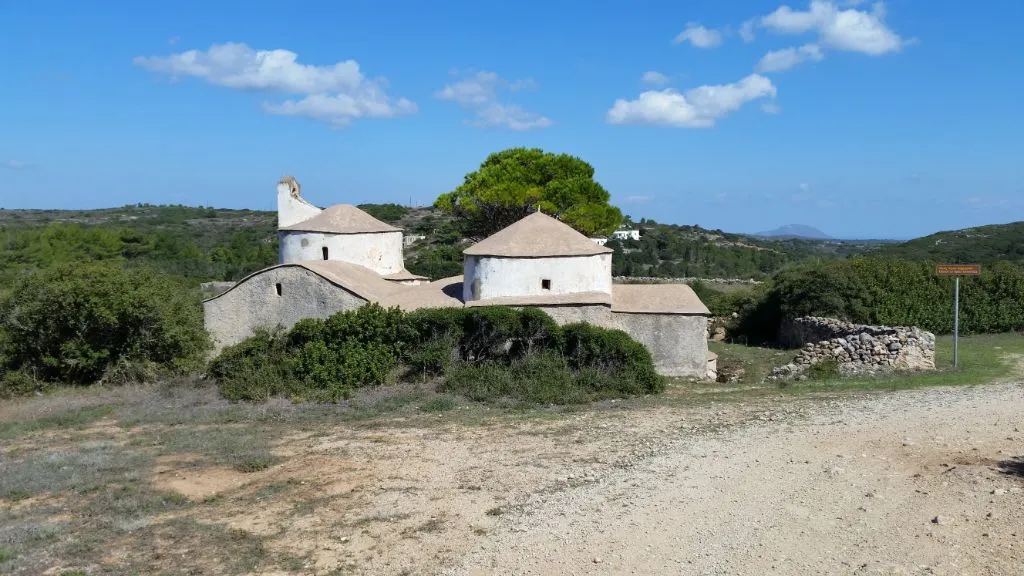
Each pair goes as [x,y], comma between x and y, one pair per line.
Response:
[795,231]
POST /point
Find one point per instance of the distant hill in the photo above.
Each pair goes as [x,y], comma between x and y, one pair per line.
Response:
[795,231]
[982,244]
[671,250]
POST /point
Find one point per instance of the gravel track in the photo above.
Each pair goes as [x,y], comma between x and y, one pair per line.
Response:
[916,482]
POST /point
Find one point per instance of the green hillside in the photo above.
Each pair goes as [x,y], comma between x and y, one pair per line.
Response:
[197,243]
[203,243]
[669,250]
[984,244]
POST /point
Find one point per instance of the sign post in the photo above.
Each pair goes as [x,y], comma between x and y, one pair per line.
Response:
[957,270]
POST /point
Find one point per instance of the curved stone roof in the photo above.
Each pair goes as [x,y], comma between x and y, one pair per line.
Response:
[536,236]
[403,274]
[362,282]
[444,293]
[657,299]
[342,219]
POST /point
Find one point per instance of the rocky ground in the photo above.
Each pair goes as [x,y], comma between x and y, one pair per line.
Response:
[914,482]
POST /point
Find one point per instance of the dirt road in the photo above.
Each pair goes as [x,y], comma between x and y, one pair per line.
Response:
[175,480]
[920,482]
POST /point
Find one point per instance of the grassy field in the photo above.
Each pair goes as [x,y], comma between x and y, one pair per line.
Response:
[91,480]
[983,358]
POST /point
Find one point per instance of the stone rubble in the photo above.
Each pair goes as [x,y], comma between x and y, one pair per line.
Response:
[857,348]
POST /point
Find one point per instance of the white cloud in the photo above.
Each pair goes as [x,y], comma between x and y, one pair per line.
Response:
[14,164]
[699,107]
[340,109]
[512,117]
[846,29]
[335,93]
[656,78]
[479,88]
[779,60]
[699,36]
[746,30]
[771,108]
[480,91]
[805,186]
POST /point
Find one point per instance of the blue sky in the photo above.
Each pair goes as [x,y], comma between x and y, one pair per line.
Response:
[864,119]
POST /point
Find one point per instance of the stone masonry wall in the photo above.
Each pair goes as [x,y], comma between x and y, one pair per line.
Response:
[857,348]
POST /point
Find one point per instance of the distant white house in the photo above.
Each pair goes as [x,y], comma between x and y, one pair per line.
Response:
[626,234]
[411,239]
[599,240]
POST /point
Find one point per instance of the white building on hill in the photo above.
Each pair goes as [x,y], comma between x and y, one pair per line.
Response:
[342,258]
[626,234]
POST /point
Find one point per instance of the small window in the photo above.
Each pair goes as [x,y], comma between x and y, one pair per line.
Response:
[278,288]
[545,284]
[324,250]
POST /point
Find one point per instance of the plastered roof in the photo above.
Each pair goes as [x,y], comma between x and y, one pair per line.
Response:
[657,299]
[404,275]
[577,299]
[342,219]
[358,280]
[445,293]
[536,236]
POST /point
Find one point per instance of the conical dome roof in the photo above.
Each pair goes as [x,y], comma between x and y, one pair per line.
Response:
[342,219]
[536,236]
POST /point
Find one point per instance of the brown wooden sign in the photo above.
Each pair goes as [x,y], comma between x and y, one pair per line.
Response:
[958,269]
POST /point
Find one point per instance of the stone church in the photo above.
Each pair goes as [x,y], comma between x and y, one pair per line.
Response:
[340,258]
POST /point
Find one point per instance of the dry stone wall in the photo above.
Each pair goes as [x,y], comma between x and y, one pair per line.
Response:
[857,348]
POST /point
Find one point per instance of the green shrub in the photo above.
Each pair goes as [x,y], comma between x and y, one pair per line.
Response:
[501,333]
[124,372]
[390,213]
[19,383]
[437,261]
[497,333]
[73,322]
[349,349]
[541,378]
[612,352]
[318,359]
[256,368]
[824,370]
[438,336]
[888,292]
[484,354]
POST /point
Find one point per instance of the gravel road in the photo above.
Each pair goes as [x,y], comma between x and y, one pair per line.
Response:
[917,482]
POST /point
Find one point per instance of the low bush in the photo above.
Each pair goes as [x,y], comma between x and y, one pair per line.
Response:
[257,368]
[613,353]
[19,383]
[446,336]
[349,349]
[73,323]
[484,354]
[541,378]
